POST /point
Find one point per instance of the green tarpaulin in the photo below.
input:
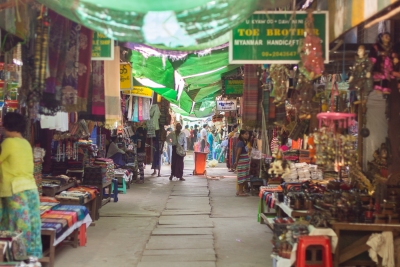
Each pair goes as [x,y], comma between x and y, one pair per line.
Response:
[167,24]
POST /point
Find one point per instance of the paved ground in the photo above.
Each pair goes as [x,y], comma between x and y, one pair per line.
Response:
[196,223]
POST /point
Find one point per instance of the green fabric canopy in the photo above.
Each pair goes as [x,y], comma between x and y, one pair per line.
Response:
[152,68]
[173,24]
[201,74]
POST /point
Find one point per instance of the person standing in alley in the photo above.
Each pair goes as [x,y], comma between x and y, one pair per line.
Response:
[203,137]
[195,133]
[169,146]
[191,147]
[242,162]
[178,138]
[187,134]
[210,140]
[141,154]
[230,155]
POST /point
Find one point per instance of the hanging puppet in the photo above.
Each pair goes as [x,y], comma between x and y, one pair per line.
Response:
[360,79]
[279,75]
[311,66]
[381,55]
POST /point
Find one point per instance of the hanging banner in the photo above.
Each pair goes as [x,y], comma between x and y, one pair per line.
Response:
[274,38]
[233,87]
[141,91]
[226,105]
[125,75]
[102,47]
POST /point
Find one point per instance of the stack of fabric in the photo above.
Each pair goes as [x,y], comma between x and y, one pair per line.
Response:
[107,168]
[303,171]
[292,175]
[63,218]
[47,203]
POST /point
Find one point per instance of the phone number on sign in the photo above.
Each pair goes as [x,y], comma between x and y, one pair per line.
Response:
[279,54]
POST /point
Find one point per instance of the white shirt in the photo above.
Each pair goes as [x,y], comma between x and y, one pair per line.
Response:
[203,133]
[186,132]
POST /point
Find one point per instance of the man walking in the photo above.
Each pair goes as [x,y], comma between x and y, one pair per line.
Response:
[187,134]
[203,136]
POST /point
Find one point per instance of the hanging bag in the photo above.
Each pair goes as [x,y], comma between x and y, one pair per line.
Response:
[179,148]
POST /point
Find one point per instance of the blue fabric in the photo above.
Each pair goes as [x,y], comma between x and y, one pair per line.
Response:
[81,211]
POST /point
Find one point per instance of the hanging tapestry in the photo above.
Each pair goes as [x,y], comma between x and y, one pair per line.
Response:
[112,90]
[98,107]
[130,108]
[140,108]
[70,79]
[250,96]
[146,109]
[135,117]
[85,55]
[58,41]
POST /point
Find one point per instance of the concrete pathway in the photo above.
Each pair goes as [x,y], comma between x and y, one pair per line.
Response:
[196,223]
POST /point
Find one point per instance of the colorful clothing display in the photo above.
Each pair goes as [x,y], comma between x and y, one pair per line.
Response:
[112,91]
[20,212]
[98,104]
[85,56]
[69,88]
[58,37]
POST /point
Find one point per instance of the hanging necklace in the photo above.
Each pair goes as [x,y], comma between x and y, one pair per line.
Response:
[68,150]
[58,155]
[75,151]
[63,152]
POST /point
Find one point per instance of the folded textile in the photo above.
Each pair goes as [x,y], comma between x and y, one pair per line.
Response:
[82,211]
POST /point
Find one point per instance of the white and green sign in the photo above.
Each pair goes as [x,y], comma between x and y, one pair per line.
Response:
[273,38]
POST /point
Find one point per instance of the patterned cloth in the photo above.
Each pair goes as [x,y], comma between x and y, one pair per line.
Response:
[243,168]
[250,99]
[21,212]
[81,211]
[98,102]
[140,159]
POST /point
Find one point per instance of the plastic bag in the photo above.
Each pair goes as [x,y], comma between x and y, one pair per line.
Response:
[213,163]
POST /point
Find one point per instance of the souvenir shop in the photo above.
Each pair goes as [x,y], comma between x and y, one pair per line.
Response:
[82,121]
[328,153]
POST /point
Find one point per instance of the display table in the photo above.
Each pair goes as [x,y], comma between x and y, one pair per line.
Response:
[267,215]
[50,229]
[51,191]
[91,204]
[360,233]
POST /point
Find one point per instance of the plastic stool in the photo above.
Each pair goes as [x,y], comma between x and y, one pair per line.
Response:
[121,188]
[306,241]
[82,235]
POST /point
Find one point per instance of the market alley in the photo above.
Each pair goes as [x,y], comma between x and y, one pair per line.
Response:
[197,222]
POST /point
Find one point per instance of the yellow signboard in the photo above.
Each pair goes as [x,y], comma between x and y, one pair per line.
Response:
[125,75]
[141,91]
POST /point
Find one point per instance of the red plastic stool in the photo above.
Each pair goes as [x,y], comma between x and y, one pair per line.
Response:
[306,241]
[82,235]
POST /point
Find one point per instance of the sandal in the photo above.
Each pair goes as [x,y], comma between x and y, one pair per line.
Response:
[170,178]
[242,195]
[139,182]
[182,179]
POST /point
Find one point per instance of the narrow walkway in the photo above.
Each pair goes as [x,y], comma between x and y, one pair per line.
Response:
[196,223]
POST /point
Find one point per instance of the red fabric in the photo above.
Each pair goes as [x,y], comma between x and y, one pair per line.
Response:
[85,55]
